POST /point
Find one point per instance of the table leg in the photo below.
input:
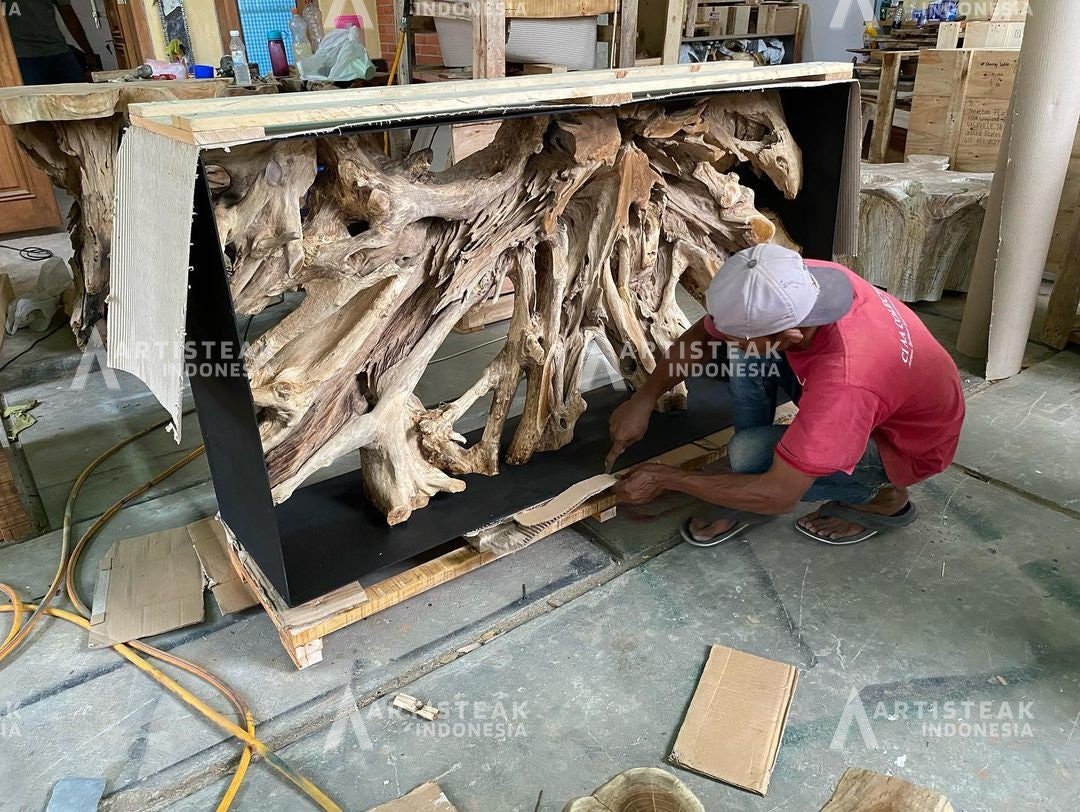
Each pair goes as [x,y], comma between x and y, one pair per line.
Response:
[80,158]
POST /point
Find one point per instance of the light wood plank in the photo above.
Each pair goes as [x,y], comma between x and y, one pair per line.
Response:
[1065,297]
[673,30]
[860,790]
[489,39]
[579,89]
[439,90]
[628,34]
[886,106]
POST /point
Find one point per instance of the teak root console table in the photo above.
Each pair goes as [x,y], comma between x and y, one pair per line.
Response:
[601,193]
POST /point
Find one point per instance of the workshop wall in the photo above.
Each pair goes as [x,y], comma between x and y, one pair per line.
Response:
[833,27]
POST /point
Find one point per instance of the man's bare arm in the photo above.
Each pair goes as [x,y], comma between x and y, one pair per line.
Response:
[630,421]
[774,492]
[693,345]
[78,33]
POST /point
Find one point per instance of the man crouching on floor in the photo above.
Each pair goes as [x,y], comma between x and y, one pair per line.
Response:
[880,403]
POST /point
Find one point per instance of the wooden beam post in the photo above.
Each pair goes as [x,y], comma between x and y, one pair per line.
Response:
[408,47]
[673,31]
[489,39]
[1032,164]
[627,49]
[1065,298]
[228,18]
[800,32]
[886,106]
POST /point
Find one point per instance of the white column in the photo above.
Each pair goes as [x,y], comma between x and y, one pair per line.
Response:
[1023,204]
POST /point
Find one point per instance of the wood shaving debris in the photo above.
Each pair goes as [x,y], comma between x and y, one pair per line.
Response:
[417,707]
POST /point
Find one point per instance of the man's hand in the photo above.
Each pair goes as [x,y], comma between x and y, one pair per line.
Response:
[645,483]
[628,424]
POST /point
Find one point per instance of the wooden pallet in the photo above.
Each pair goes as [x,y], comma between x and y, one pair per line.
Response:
[302,628]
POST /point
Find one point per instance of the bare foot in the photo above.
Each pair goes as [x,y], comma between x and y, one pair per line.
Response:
[704,530]
[888,501]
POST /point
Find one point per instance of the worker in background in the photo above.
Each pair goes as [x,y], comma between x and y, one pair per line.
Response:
[45,58]
[880,402]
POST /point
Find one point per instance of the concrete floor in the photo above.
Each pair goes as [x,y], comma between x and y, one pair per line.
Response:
[593,640]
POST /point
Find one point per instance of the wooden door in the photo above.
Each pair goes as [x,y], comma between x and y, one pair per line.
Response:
[26,194]
[126,30]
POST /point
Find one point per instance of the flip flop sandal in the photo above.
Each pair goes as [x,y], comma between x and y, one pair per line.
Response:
[871,523]
[744,520]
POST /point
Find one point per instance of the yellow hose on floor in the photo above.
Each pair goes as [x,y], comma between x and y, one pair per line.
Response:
[66,571]
[160,677]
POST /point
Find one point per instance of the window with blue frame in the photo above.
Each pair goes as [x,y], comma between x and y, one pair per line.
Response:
[257,19]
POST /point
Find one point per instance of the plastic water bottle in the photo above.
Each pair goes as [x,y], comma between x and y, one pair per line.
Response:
[299,30]
[313,17]
[279,61]
[238,51]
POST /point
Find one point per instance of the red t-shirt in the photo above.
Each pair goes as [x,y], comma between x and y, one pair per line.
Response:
[878,371]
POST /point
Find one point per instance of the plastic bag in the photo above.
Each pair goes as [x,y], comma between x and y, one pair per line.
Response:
[341,57]
[37,308]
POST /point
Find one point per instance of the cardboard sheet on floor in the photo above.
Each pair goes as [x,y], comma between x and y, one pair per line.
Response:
[231,594]
[861,789]
[146,585]
[735,722]
[427,797]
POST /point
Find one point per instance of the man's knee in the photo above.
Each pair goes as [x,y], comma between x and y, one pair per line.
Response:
[750,451]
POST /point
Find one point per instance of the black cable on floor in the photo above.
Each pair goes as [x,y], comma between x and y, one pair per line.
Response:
[52,332]
[32,253]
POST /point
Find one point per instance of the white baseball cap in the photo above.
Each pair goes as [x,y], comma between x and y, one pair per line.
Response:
[767,289]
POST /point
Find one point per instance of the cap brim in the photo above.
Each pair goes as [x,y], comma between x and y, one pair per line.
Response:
[834,300]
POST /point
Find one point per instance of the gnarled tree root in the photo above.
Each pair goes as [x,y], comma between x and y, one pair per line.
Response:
[596,217]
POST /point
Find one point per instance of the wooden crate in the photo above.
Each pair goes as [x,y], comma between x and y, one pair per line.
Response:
[705,20]
[959,107]
[302,628]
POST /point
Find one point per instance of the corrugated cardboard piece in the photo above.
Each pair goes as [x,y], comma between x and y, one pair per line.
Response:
[146,585]
[231,594]
[736,719]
